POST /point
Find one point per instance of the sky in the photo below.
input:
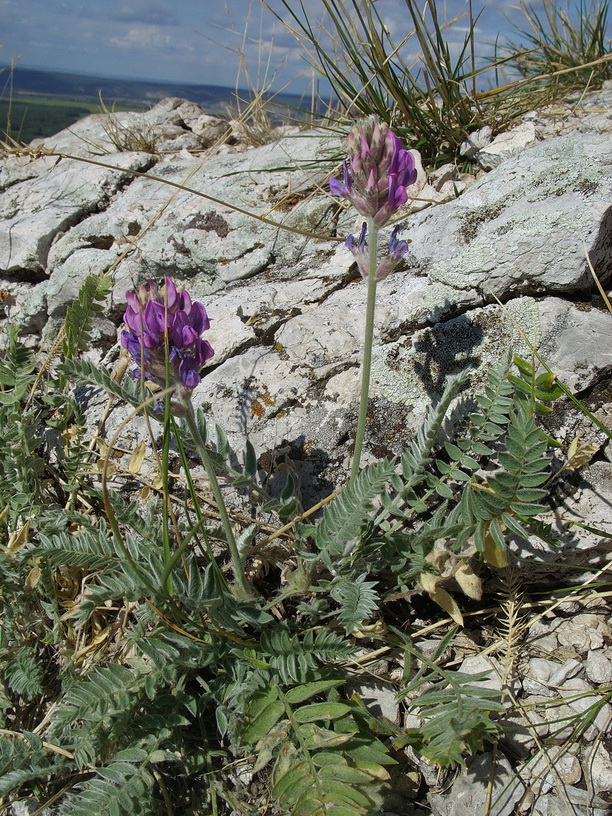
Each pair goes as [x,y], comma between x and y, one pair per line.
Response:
[208,42]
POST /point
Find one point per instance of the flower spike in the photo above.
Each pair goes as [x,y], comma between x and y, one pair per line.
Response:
[377,173]
[156,317]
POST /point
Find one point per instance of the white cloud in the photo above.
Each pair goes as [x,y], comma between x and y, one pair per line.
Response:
[142,38]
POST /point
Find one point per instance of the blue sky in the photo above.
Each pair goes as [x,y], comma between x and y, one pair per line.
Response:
[194,41]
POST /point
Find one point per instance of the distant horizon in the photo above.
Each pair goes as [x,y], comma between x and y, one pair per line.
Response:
[121,77]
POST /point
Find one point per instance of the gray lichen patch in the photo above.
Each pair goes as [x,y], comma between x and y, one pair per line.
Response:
[472,220]
[414,369]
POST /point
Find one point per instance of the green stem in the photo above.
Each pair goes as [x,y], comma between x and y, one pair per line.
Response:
[366,365]
[165,466]
[241,582]
[198,528]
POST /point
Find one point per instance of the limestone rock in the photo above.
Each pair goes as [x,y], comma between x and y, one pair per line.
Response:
[36,211]
[521,228]
[476,142]
[474,664]
[507,144]
[378,696]
[287,310]
[583,632]
[598,766]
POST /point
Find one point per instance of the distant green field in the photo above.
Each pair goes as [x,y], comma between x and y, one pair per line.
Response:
[29,118]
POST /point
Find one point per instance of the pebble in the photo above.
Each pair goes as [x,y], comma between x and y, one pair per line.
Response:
[597,764]
[574,688]
[568,608]
[553,720]
[432,774]
[24,807]
[568,669]
[540,669]
[535,772]
[518,736]
[542,639]
[568,769]
[546,771]
[532,687]
[598,668]
[550,805]
[430,646]
[379,697]
[582,632]
[591,803]
[474,664]
[550,673]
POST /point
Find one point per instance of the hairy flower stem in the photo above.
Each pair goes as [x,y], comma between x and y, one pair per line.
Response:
[366,364]
[243,589]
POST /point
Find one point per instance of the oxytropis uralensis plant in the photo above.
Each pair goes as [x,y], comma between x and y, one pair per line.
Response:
[376,176]
[164,336]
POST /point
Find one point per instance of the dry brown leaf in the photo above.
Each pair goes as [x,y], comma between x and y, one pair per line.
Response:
[429,583]
[137,457]
[17,539]
[33,578]
[579,454]
[470,583]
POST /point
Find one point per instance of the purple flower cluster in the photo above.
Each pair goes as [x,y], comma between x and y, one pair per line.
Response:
[359,248]
[158,316]
[377,172]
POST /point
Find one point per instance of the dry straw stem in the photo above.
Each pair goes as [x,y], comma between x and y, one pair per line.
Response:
[437,105]
[600,288]
[255,119]
[546,76]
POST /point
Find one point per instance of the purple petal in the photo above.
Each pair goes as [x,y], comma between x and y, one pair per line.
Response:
[184,302]
[337,188]
[198,318]
[154,319]
[397,194]
[178,323]
[188,373]
[360,246]
[397,249]
[133,301]
[372,185]
[133,320]
[203,351]
[171,293]
[190,335]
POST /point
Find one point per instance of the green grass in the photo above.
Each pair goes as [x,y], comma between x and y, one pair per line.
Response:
[562,38]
